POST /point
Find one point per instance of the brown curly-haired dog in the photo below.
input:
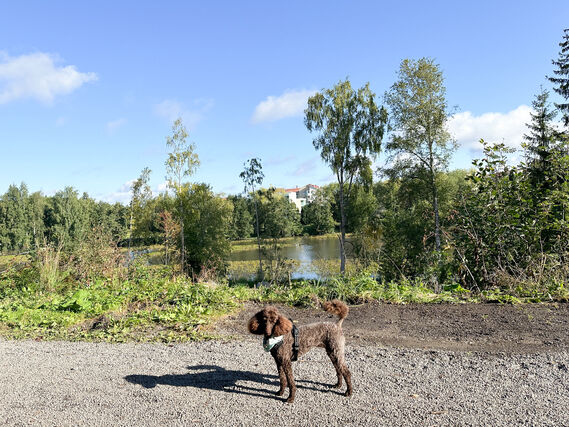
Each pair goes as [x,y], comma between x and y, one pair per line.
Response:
[272,324]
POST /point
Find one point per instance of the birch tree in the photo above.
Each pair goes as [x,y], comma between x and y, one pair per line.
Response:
[349,126]
[182,162]
[418,113]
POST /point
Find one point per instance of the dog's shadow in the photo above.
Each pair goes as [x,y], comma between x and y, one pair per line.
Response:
[213,377]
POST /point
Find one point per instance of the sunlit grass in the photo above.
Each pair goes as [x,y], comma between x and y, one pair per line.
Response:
[8,260]
[155,303]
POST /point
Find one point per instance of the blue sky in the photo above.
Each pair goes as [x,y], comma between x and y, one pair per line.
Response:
[89,90]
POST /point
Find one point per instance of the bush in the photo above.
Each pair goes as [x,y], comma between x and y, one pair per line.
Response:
[98,257]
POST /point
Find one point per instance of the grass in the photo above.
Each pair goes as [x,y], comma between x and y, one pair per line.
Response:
[6,261]
[151,303]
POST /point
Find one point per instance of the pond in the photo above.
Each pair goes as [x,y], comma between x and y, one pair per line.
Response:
[310,252]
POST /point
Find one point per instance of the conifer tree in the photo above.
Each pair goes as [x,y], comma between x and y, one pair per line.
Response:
[561,77]
[540,143]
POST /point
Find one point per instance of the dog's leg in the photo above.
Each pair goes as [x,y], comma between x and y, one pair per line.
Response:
[337,357]
[333,357]
[348,377]
[287,367]
[282,378]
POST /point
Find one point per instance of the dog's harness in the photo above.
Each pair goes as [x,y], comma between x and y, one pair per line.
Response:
[275,342]
[269,343]
[295,342]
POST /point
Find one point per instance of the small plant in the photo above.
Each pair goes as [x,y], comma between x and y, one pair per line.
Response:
[47,261]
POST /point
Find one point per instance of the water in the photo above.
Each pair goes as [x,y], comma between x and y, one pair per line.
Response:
[304,249]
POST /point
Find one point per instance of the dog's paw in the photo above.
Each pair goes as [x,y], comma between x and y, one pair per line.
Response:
[290,399]
[337,385]
[348,393]
[280,392]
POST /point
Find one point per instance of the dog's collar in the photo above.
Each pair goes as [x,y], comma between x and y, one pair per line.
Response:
[269,343]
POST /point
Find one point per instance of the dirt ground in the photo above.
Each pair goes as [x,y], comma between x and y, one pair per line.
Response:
[492,328]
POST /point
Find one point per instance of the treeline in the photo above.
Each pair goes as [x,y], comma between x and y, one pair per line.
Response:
[31,219]
[499,224]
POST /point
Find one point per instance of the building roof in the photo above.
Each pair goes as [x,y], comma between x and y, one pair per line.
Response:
[290,190]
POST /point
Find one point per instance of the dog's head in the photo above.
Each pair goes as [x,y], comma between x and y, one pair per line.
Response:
[270,323]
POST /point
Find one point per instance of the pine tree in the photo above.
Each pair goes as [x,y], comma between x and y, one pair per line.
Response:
[561,77]
[546,170]
[540,144]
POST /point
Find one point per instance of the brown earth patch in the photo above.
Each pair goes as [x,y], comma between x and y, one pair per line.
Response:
[494,328]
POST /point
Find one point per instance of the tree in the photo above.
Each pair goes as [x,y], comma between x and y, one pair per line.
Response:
[420,144]
[141,194]
[361,208]
[35,213]
[317,216]
[540,143]
[350,128]
[113,218]
[561,78]
[242,220]
[170,232]
[182,162]
[67,219]
[252,176]
[278,217]
[15,219]
[545,170]
[207,229]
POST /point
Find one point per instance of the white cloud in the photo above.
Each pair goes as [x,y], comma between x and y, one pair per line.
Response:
[289,104]
[161,188]
[124,193]
[115,124]
[121,195]
[171,109]
[508,128]
[37,76]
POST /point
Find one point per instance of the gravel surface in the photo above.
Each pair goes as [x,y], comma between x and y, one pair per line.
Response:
[232,383]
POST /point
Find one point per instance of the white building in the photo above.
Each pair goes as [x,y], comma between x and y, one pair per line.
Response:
[301,196]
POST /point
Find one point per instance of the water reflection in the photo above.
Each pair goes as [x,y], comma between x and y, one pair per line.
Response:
[304,249]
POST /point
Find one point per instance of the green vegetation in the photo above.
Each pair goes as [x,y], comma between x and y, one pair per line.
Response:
[75,268]
[252,176]
[350,128]
[420,145]
[148,303]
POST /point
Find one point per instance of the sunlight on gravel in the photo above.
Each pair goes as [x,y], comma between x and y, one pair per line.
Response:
[232,383]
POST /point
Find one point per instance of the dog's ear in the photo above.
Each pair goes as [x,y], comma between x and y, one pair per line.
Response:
[282,327]
[254,325]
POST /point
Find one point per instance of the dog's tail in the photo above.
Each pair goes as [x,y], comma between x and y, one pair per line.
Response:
[338,308]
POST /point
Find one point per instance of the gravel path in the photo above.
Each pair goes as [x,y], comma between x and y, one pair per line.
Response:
[232,383]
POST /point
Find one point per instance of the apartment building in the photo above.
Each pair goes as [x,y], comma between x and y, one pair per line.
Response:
[301,196]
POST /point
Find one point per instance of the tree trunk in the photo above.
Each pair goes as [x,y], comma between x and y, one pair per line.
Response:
[261,275]
[130,231]
[183,252]
[342,231]
[437,219]
[436,284]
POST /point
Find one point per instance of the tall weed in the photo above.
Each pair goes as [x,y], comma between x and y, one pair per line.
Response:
[98,257]
[47,261]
